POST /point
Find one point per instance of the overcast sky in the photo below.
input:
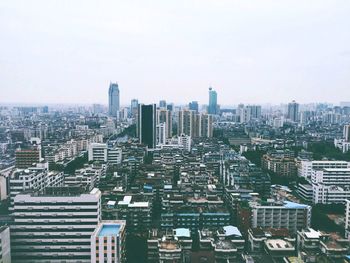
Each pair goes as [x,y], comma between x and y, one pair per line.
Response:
[249,51]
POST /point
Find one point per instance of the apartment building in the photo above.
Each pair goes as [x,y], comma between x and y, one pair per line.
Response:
[55,225]
[108,242]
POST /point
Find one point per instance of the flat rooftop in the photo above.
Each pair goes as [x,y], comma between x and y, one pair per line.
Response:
[109,230]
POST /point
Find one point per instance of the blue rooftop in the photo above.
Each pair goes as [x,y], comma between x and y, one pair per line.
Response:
[288,204]
[109,230]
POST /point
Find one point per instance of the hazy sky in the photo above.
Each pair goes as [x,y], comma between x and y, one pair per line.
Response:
[249,51]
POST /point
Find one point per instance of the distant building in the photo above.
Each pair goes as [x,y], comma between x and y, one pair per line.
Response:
[162,104]
[195,125]
[346,133]
[30,155]
[99,152]
[193,106]
[213,102]
[108,242]
[280,162]
[165,116]
[293,111]
[113,100]
[134,107]
[146,126]
[275,214]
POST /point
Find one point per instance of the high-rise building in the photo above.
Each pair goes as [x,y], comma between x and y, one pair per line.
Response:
[161,133]
[347,133]
[186,123]
[55,226]
[255,111]
[293,111]
[146,127]
[108,242]
[193,105]
[113,99]
[206,125]
[194,125]
[134,107]
[164,116]
[213,102]
[162,104]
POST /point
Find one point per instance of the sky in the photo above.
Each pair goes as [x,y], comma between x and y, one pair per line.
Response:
[249,51]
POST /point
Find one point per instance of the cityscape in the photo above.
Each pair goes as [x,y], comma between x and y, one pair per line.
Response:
[175,131]
[176,183]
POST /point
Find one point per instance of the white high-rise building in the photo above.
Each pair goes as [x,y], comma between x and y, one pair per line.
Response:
[161,133]
[305,167]
[33,178]
[165,116]
[55,226]
[330,185]
[185,141]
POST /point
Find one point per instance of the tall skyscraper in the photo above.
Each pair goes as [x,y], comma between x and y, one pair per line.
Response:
[162,104]
[213,102]
[186,123]
[164,116]
[134,107]
[195,125]
[147,125]
[193,105]
[113,99]
[293,111]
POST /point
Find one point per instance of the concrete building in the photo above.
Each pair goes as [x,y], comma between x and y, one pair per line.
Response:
[174,245]
[55,225]
[305,168]
[5,245]
[27,157]
[331,185]
[98,152]
[281,162]
[308,244]
[33,178]
[274,214]
[108,242]
[165,116]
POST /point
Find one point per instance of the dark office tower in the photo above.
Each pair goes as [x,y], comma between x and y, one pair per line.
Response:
[162,104]
[213,102]
[113,99]
[134,107]
[293,111]
[193,106]
[147,125]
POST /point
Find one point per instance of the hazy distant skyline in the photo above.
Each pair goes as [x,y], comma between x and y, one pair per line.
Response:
[248,51]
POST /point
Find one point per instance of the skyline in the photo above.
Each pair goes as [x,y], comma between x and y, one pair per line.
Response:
[247,51]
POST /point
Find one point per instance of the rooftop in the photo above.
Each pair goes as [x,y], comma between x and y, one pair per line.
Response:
[109,230]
